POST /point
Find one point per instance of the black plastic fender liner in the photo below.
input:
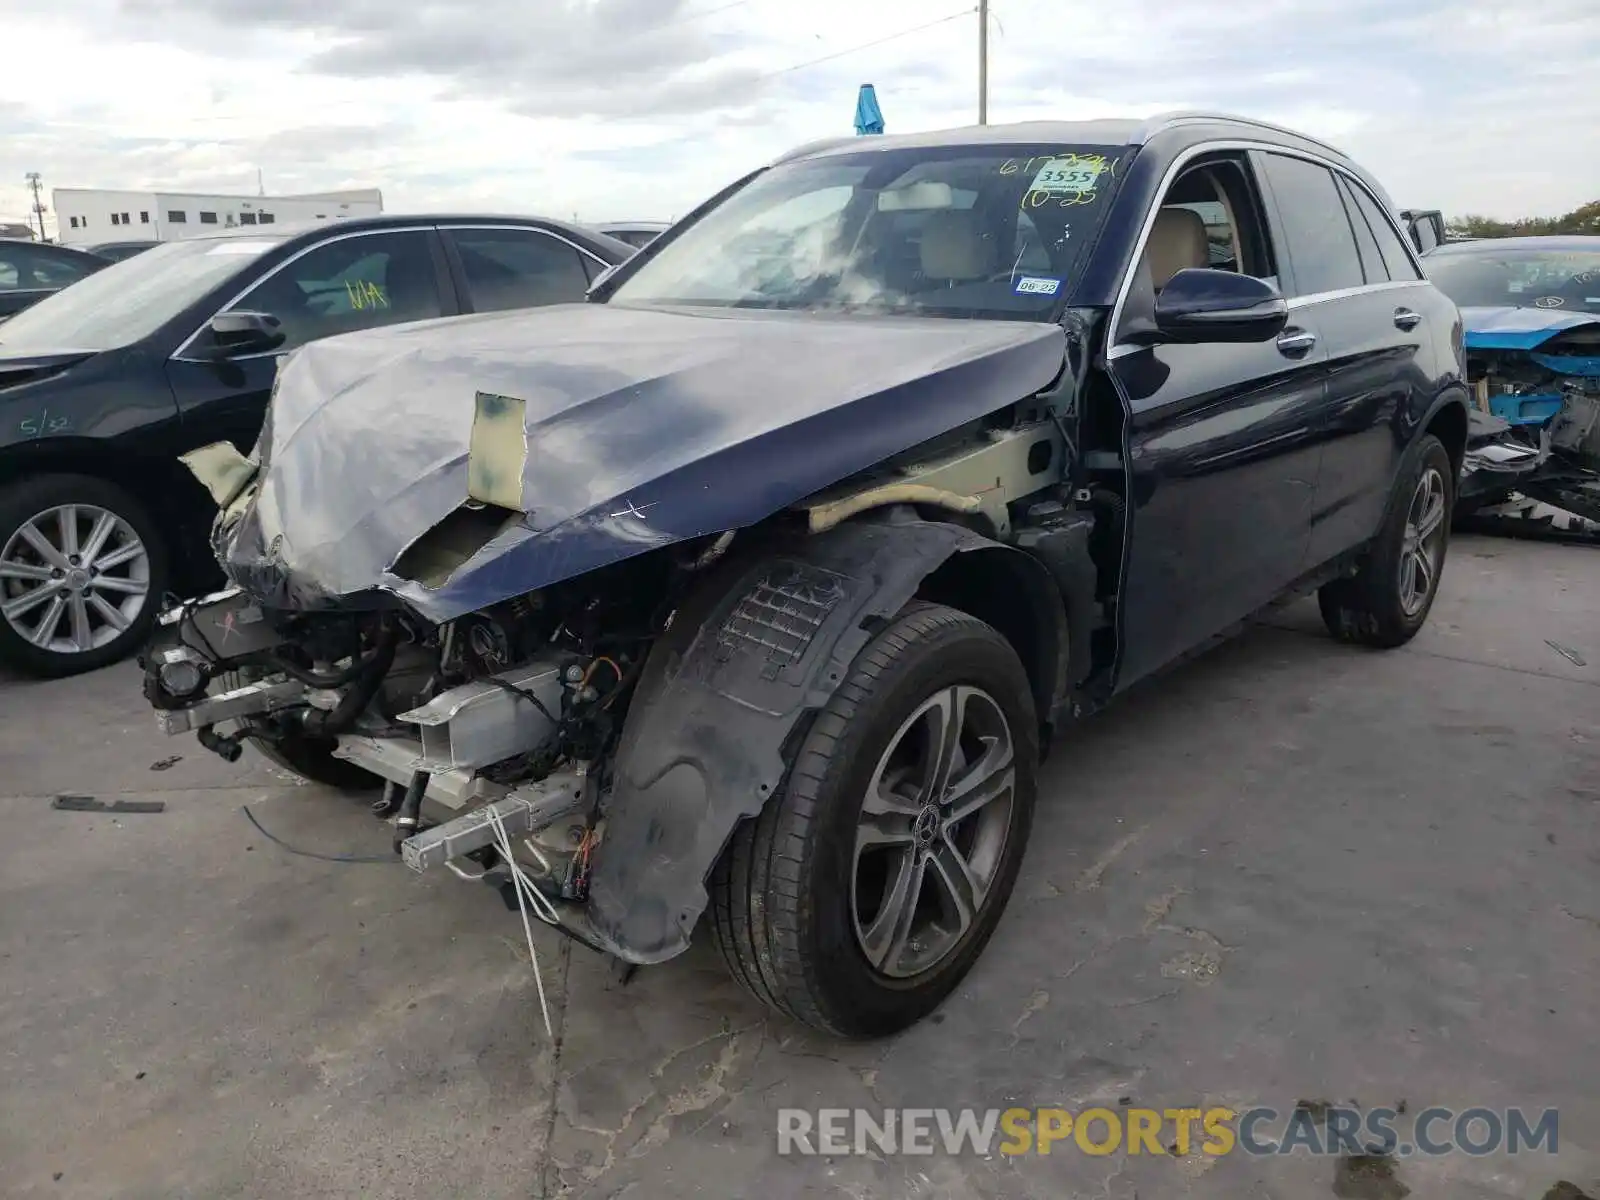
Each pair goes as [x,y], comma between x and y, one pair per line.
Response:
[725,690]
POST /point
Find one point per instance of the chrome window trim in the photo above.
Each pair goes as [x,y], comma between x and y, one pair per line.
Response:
[1189,155]
[1123,349]
[179,354]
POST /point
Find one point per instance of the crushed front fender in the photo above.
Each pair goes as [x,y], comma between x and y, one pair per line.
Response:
[723,699]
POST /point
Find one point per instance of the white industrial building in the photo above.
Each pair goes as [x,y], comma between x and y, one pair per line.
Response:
[91,216]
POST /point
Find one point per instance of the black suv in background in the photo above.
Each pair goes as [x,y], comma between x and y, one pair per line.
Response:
[103,385]
[30,271]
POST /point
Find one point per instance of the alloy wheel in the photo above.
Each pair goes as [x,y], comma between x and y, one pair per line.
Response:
[73,578]
[1422,547]
[932,831]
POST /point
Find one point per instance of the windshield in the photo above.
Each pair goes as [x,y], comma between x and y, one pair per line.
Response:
[946,231]
[131,299]
[1498,277]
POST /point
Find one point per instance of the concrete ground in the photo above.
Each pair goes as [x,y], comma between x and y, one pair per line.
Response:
[1291,871]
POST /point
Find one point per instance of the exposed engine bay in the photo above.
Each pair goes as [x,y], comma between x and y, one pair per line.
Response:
[1535,438]
[509,713]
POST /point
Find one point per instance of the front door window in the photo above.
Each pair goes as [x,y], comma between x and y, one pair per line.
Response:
[349,284]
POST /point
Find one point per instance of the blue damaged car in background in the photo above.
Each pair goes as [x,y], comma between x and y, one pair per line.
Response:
[1530,308]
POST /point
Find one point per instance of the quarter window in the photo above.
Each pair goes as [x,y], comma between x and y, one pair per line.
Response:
[518,268]
[1321,246]
[347,284]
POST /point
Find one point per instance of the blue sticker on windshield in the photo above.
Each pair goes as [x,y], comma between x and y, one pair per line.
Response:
[1036,285]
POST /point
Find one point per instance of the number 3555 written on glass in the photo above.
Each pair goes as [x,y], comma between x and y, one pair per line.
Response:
[1067,175]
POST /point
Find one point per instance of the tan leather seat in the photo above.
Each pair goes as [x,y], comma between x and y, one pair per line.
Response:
[954,248]
[1177,240]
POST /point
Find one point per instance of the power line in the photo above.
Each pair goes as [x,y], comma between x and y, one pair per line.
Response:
[893,37]
[695,16]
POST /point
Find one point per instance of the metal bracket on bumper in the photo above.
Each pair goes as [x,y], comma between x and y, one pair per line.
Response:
[251,700]
[531,807]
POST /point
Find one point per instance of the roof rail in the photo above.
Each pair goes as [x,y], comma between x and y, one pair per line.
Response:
[1160,121]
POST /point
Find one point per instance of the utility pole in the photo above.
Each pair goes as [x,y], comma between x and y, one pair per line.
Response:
[983,62]
[38,208]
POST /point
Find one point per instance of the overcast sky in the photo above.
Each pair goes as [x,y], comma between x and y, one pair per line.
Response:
[640,108]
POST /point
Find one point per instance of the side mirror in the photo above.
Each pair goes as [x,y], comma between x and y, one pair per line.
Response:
[1202,305]
[1426,227]
[601,279]
[245,333]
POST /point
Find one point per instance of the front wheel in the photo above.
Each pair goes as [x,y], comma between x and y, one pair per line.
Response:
[82,571]
[1388,599]
[866,889]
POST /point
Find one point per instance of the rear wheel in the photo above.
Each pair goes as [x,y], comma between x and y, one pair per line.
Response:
[82,571]
[1389,598]
[867,888]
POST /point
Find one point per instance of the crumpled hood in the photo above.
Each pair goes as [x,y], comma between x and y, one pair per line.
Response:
[637,429]
[1517,328]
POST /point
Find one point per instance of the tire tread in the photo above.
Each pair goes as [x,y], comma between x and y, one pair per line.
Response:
[759,910]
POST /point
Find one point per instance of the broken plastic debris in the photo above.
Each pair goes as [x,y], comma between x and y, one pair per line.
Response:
[68,802]
[1567,652]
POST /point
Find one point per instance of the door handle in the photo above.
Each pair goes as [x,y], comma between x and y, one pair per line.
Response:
[1296,341]
[1405,319]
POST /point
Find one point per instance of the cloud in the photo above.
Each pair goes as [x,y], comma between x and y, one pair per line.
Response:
[638,108]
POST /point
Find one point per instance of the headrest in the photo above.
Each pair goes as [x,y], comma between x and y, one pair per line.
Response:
[954,247]
[1177,240]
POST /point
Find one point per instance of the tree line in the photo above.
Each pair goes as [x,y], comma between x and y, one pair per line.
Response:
[1583,219]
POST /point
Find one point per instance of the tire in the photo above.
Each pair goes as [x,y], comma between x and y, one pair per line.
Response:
[787,892]
[132,553]
[312,759]
[1384,603]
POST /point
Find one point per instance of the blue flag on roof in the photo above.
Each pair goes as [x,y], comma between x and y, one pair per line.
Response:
[869,117]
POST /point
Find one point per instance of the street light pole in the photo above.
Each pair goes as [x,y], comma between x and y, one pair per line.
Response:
[983,62]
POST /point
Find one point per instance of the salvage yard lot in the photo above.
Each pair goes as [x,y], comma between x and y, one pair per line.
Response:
[1294,870]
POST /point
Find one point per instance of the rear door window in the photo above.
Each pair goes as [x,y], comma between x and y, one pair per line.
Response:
[1372,264]
[1397,262]
[1321,245]
[518,268]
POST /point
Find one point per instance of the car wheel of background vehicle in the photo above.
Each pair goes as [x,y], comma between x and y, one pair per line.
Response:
[82,572]
[867,888]
[1388,600]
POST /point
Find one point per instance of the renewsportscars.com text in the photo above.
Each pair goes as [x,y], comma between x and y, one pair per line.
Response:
[1214,1131]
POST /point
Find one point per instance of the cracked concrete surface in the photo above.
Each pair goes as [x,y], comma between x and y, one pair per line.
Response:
[1290,869]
